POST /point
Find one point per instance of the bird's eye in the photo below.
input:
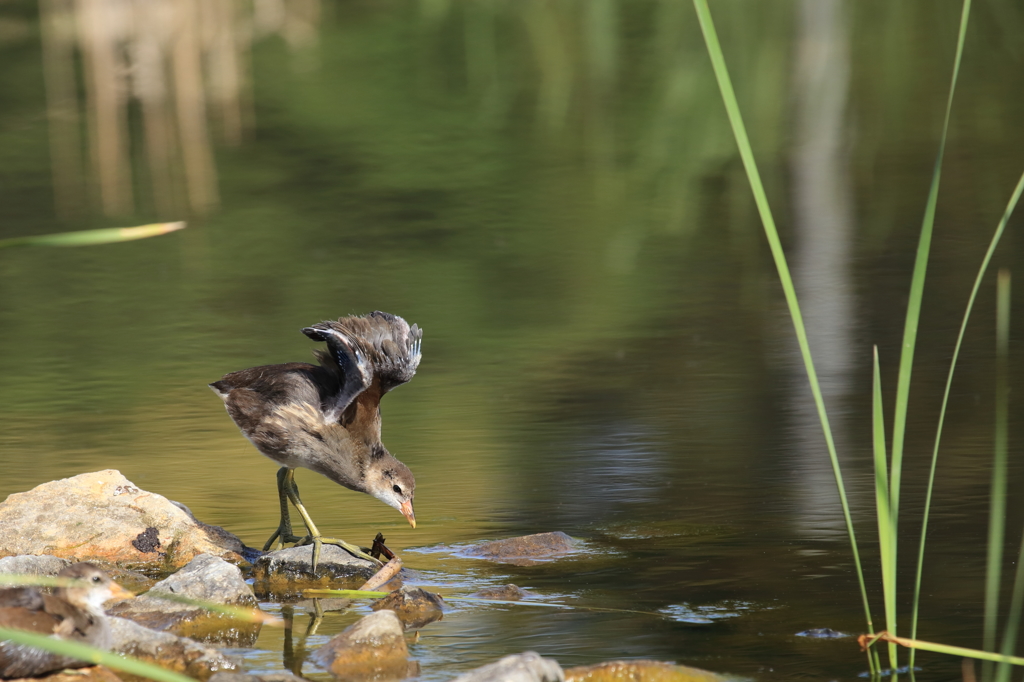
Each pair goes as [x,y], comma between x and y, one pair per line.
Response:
[97,579]
[396,489]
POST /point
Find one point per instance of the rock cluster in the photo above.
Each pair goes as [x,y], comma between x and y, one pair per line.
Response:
[103,517]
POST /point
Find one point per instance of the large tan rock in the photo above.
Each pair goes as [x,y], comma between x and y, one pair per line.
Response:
[526,550]
[102,516]
[96,673]
[639,671]
[372,648]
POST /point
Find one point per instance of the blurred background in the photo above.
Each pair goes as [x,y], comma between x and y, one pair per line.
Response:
[551,190]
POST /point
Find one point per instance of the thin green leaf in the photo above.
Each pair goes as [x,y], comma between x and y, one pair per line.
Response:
[92,655]
[107,235]
[997,499]
[886,530]
[1000,228]
[917,285]
[962,652]
[760,198]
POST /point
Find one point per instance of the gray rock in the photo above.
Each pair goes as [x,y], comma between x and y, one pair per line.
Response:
[169,651]
[208,578]
[527,549]
[245,677]
[290,570]
[414,606]
[372,647]
[30,564]
[525,667]
[508,592]
[104,517]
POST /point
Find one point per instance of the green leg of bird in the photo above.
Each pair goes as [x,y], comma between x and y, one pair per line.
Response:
[284,532]
[314,535]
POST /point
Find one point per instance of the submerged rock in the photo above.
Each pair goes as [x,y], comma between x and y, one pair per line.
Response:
[415,607]
[822,633]
[525,667]
[640,671]
[96,673]
[208,578]
[508,592]
[179,654]
[290,570]
[104,517]
[245,677]
[373,647]
[525,550]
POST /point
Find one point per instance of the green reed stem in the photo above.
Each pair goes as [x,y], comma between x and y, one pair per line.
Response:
[997,499]
[1000,228]
[886,527]
[108,235]
[760,198]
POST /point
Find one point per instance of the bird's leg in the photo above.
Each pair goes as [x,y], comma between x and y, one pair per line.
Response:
[284,532]
[314,536]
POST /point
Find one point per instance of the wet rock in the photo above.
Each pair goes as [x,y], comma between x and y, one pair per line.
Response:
[373,647]
[639,671]
[179,654]
[267,677]
[822,633]
[508,592]
[208,578]
[103,517]
[29,564]
[415,607]
[527,549]
[96,673]
[289,570]
[525,667]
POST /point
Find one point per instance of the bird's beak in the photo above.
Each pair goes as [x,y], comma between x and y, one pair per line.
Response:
[406,510]
[118,592]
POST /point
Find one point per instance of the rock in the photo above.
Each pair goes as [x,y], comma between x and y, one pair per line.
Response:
[639,671]
[508,592]
[525,667]
[373,647]
[179,654]
[103,517]
[266,677]
[208,578]
[822,633]
[289,570]
[415,607]
[525,550]
[96,673]
[29,564]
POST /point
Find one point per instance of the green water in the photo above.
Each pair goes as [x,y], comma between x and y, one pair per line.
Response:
[551,191]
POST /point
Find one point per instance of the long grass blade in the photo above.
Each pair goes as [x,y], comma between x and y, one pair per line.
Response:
[886,529]
[760,198]
[997,496]
[917,293]
[1013,621]
[107,235]
[993,243]
[242,613]
[92,655]
[960,651]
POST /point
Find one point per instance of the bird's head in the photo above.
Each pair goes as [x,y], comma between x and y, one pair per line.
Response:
[392,483]
[93,587]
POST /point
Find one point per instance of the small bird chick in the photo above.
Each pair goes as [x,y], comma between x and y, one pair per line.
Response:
[326,417]
[73,613]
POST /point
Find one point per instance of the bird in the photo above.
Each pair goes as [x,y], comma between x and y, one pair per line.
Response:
[73,612]
[326,417]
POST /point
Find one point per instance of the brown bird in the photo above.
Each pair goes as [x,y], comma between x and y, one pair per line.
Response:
[73,613]
[327,418]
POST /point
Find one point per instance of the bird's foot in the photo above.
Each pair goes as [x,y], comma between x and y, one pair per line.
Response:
[354,550]
[281,537]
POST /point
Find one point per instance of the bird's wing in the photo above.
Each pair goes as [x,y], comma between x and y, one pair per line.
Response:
[377,346]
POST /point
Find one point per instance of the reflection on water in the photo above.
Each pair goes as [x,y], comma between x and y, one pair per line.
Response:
[551,191]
